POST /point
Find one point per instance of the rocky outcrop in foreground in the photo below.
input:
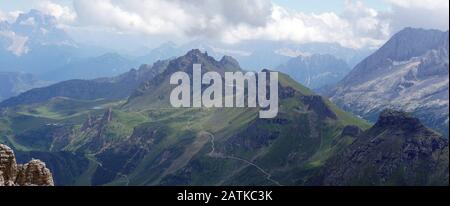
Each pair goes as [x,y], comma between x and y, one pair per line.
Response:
[397,150]
[33,173]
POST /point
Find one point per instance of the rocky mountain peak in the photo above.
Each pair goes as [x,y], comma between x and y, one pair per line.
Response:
[195,56]
[228,60]
[196,53]
[396,144]
[409,72]
[33,173]
[404,45]
[412,42]
[40,29]
[315,70]
[397,119]
[36,17]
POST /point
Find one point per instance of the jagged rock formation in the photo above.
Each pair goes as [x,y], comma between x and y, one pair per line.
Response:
[8,166]
[183,63]
[99,122]
[397,150]
[33,173]
[107,116]
[94,129]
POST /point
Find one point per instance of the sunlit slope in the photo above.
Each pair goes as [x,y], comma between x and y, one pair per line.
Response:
[227,145]
[142,140]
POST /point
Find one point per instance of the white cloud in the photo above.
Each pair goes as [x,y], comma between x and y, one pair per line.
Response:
[63,14]
[358,26]
[235,20]
[232,21]
[425,4]
[18,43]
[419,13]
[9,16]
[2,16]
[29,22]
[198,17]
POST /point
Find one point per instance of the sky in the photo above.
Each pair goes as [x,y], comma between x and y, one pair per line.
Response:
[350,23]
[299,5]
[329,6]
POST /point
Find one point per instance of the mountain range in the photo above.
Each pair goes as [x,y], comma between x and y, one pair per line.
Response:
[103,123]
[122,131]
[409,73]
[108,88]
[256,55]
[34,43]
[315,71]
[14,83]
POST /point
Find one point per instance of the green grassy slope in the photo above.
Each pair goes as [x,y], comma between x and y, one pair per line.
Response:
[144,141]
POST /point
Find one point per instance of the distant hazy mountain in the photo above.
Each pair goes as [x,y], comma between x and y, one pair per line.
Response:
[315,70]
[410,72]
[35,44]
[263,59]
[106,65]
[103,88]
[14,83]
[164,51]
[270,54]
[258,54]
[40,29]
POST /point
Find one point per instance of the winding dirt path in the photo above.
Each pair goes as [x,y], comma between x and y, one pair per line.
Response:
[215,154]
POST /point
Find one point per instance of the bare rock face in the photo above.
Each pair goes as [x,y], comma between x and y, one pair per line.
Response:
[397,150]
[408,73]
[33,173]
[2,181]
[8,166]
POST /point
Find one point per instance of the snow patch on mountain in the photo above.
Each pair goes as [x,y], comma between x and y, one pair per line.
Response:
[409,73]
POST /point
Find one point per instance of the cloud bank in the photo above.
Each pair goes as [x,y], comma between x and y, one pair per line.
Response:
[9,16]
[232,21]
[17,44]
[235,20]
[430,14]
[63,14]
